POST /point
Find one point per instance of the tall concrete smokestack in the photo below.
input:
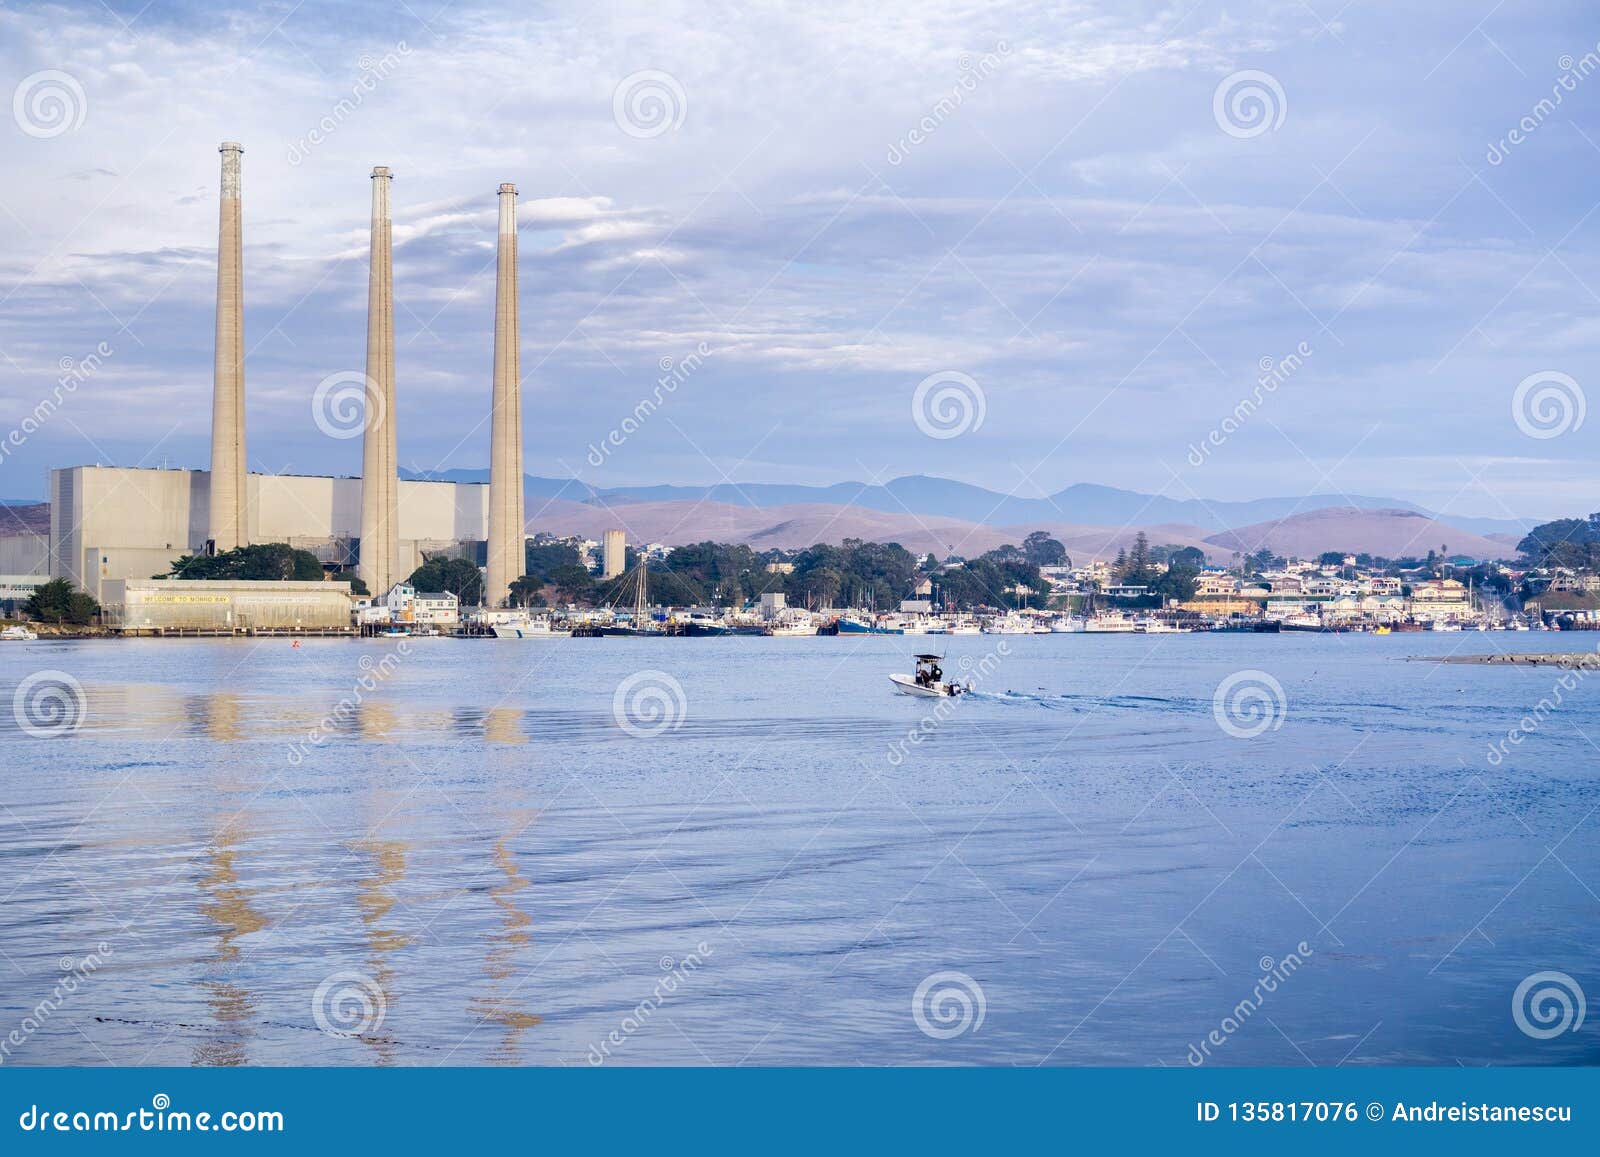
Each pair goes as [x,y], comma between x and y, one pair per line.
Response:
[380,483]
[229,525]
[506,560]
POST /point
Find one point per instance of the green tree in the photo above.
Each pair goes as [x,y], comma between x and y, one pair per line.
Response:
[574,584]
[817,587]
[260,562]
[1177,583]
[57,601]
[1042,550]
[527,591]
[543,560]
[1573,543]
[457,576]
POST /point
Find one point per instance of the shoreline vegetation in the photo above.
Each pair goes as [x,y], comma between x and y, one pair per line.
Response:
[861,586]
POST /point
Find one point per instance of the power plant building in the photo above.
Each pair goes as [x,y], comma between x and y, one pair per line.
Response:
[112,525]
[110,522]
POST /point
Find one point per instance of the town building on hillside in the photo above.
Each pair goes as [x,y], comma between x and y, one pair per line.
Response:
[1440,599]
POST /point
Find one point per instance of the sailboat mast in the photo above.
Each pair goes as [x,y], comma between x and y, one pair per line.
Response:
[639,596]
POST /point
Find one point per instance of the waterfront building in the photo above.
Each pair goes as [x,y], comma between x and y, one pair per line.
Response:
[422,608]
[225,607]
[1440,599]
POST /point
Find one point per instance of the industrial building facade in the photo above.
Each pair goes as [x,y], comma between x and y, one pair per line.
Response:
[213,607]
[115,524]
[111,523]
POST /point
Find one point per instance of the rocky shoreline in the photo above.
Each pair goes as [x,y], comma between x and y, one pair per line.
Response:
[1564,660]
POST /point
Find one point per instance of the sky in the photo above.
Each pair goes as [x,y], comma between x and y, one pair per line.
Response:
[1020,245]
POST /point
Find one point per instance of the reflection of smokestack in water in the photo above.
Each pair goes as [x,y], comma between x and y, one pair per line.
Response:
[505,560]
[380,485]
[229,526]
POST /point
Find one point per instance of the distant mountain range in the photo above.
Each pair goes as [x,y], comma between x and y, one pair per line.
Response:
[1083,503]
[936,515]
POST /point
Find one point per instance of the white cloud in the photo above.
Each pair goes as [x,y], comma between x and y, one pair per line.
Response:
[1078,234]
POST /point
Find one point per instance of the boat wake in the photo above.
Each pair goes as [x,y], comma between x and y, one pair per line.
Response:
[1068,702]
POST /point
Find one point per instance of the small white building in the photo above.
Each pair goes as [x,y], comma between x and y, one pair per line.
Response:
[408,605]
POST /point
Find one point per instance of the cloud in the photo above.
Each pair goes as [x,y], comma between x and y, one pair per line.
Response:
[1038,196]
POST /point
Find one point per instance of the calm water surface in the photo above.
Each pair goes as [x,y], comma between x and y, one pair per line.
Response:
[257,849]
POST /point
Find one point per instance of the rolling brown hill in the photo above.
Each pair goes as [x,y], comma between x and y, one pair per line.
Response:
[1390,533]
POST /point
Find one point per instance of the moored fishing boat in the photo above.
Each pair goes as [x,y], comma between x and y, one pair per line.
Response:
[859,625]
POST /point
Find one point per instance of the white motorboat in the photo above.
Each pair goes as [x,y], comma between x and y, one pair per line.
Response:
[529,629]
[793,624]
[18,634]
[927,681]
[1012,624]
[1067,626]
